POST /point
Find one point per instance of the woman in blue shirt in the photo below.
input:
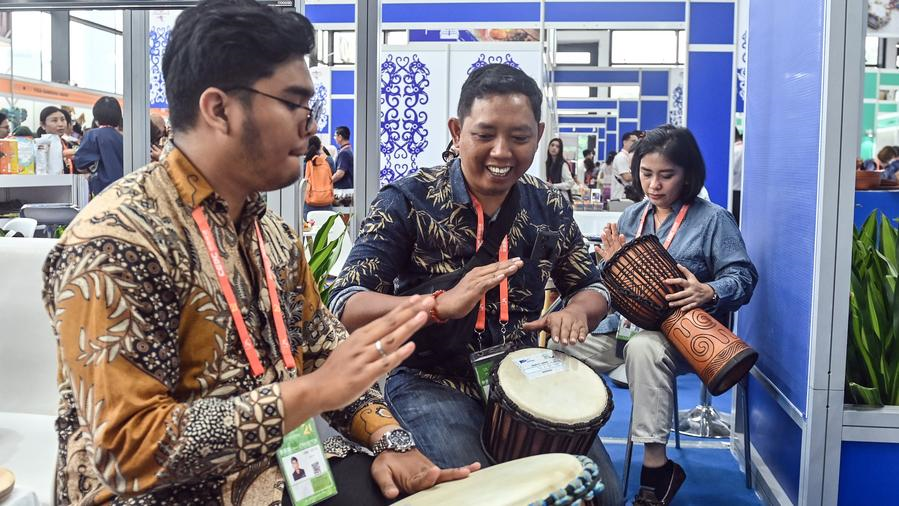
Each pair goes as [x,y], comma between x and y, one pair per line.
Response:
[705,241]
[101,152]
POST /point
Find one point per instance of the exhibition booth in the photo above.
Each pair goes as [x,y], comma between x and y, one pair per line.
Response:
[816,421]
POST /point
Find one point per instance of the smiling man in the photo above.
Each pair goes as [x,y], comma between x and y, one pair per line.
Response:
[192,339]
[424,228]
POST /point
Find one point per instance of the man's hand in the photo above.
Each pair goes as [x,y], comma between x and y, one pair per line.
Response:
[462,298]
[411,472]
[567,326]
[693,293]
[356,364]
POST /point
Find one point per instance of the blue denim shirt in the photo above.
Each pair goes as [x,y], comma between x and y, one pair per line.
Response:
[708,243]
[889,172]
[424,225]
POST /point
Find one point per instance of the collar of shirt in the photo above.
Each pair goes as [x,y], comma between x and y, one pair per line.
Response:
[193,188]
[457,183]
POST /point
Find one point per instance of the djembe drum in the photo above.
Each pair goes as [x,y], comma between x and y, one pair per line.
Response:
[635,278]
[541,480]
[543,401]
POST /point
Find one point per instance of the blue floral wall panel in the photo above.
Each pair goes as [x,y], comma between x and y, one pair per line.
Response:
[412,109]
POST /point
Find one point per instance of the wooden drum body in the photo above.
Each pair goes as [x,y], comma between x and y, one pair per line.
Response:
[719,357]
[635,278]
[543,401]
[540,480]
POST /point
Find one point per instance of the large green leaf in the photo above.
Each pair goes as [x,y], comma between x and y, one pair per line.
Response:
[865,395]
[873,349]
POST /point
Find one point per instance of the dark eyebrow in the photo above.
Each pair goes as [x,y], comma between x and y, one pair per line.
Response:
[300,91]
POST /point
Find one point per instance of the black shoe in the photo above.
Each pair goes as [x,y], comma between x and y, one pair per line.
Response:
[647,496]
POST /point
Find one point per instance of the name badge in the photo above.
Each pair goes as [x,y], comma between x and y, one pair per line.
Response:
[626,330]
[483,361]
[307,475]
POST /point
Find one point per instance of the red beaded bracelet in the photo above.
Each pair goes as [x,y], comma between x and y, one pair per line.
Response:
[434,317]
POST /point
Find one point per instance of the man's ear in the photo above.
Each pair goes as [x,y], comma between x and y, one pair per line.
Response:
[455,128]
[213,109]
[540,128]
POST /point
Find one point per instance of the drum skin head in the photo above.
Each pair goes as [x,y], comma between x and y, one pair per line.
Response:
[573,395]
[522,481]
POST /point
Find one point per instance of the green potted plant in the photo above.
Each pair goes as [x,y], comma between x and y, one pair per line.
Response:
[323,254]
[872,368]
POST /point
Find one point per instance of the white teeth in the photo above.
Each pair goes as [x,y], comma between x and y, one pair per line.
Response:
[498,171]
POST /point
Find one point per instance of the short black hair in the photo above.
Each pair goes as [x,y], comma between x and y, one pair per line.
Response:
[610,157]
[678,146]
[587,152]
[227,44]
[343,131]
[3,117]
[107,111]
[46,112]
[294,459]
[498,79]
[22,131]
[627,135]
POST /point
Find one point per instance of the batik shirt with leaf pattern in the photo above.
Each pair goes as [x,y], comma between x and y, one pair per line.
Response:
[425,225]
[158,404]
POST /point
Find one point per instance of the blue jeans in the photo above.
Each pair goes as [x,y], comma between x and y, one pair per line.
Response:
[446,425]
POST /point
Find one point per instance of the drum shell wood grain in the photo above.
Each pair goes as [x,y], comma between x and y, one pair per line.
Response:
[635,278]
[719,357]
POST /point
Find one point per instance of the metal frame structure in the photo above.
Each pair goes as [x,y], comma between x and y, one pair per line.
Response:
[841,119]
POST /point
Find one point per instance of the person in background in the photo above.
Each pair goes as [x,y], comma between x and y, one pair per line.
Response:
[589,168]
[343,176]
[736,176]
[101,152]
[884,157]
[318,172]
[54,121]
[621,171]
[22,131]
[891,167]
[158,135]
[4,126]
[558,174]
[605,175]
[718,276]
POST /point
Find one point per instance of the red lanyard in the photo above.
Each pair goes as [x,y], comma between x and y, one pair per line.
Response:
[674,228]
[228,291]
[481,323]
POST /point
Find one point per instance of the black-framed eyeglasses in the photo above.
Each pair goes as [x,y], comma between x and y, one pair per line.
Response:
[315,112]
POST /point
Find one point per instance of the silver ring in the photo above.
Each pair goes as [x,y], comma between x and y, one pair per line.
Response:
[380,348]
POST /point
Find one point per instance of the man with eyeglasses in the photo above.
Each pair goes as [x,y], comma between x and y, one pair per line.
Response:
[192,339]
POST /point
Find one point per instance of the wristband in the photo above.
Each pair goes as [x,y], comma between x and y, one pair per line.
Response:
[433,316]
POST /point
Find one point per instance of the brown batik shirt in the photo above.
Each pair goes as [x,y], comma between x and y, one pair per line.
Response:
[158,404]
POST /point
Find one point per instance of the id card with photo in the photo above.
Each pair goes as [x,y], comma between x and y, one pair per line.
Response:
[483,362]
[626,330]
[307,475]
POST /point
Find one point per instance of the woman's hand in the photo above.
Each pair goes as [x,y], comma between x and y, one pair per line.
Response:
[693,294]
[612,241]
